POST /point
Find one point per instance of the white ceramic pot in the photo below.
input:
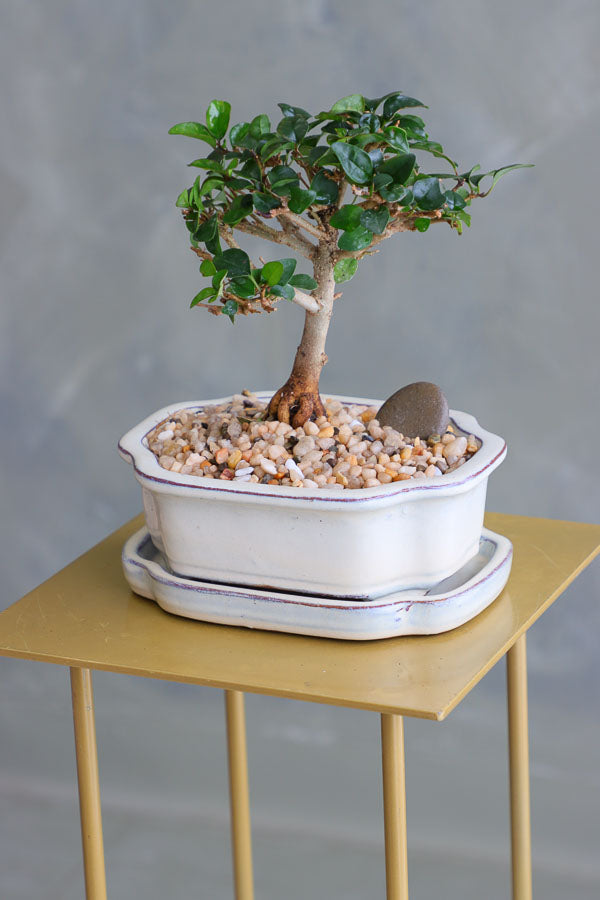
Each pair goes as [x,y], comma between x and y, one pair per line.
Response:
[361,543]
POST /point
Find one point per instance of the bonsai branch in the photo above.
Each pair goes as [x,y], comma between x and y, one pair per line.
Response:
[277,237]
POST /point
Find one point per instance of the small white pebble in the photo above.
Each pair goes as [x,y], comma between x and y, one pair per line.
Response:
[294,469]
[242,473]
[166,435]
[268,466]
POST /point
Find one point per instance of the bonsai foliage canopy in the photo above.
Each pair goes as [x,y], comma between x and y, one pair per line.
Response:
[330,187]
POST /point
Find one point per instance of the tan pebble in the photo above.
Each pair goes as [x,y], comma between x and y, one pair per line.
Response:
[456,448]
[165,461]
[447,438]
[272,481]
[275,451]
[311,428]
[369,414]
[226,475]
[384,478]
[402,476]
[371,482]
[431,471]
[331,479]
[341,479]
[355,471]
[234,458]
[326,432]
[406,454]
[268,465]
[247,455]
[345,434]
[369,473]
[438,449]
[221,455]
[177,466]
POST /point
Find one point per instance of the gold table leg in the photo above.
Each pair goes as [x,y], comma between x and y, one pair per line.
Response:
[89,787]
[518,742]
[238,795]
[394,806]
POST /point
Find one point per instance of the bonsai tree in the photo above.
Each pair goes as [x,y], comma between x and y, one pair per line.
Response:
[330,187]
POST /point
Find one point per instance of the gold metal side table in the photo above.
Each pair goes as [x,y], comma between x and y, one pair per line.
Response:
[87,618]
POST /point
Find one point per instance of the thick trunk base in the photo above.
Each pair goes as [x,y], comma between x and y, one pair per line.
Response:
[296,402]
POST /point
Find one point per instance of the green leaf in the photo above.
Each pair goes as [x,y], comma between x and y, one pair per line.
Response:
[260,125]
[281,179]
[207,293]
[399,167]
[428,194]
[274,146]
[207,230]
[300,199]
[239,209]
[289,267]
[218,279]
[370,122]
[209,164]
[183,201]
[250,170]
[195,130]
[351,103]
[414,124]
[208,268]
[454,200]
[271,272]
[346,218]
[293,128]
[325,188]
[288,110]
[422,224]
[217,117]
[282,290]
[304,282]
[496,174]
[396,138]
[230,308]
[213,183]
[264,203]
[357,239]
[344,270]
[238,132]
[396,193]
[236,262]
[375,219]
[355,162]
[243,286]
[394,102]
[213,244]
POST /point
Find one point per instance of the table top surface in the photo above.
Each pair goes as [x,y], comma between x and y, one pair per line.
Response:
[86,615]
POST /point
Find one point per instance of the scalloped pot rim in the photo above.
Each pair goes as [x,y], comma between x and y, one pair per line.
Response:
[133,448]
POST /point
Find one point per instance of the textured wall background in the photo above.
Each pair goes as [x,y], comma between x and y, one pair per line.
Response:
[95,333]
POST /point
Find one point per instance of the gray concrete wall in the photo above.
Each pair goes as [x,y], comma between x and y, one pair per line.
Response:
[95,333]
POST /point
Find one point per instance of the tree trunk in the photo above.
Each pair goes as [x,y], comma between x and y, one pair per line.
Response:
[299,400]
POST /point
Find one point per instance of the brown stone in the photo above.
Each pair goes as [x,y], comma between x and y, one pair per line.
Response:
[417,410]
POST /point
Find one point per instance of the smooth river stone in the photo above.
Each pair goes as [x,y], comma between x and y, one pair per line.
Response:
[419,409]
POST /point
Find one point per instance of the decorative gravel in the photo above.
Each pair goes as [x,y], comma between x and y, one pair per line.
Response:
[347,448]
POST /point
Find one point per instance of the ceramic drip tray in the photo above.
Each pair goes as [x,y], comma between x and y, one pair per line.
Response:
[450,603]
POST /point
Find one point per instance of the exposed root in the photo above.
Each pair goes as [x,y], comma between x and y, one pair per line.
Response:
[295,404]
